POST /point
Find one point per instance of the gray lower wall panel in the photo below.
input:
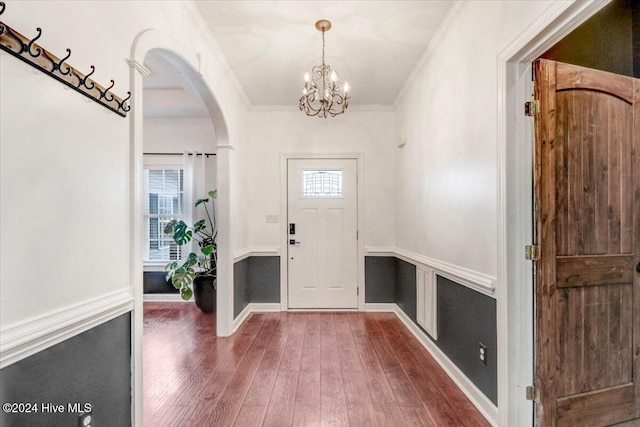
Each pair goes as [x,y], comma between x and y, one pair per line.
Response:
[465,319]
[406,294]
[380,279]
[240,286]
[154,282]
[93,367]
[255,279]
[264,279]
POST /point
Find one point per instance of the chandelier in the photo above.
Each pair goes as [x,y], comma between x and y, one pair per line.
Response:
[321,95]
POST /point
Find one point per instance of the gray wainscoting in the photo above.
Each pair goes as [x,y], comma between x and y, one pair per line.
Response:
[93,367]
[154,282]
[465,318]
[256,279]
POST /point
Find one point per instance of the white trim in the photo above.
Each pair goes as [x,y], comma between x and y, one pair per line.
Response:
[29,337]
[238,321]
[138,66]
[475,280]
[456,9]
[192,11]
[265,307]
[163,298]
[380,307]
[284,232]
[225,147]
[479,400]
[515,316]
[258,251]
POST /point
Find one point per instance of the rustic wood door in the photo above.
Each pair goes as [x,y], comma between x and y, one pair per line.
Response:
[587,209]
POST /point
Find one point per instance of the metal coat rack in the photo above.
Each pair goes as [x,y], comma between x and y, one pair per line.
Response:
[29,51]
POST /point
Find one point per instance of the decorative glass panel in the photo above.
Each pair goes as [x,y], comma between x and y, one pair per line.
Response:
[321,183]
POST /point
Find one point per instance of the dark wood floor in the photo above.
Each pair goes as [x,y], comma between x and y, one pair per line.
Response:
[299,369]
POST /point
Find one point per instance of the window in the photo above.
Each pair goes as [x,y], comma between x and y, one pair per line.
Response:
[164,198]
[321,183]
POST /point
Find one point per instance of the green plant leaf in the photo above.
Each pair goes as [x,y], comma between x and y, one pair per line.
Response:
[170,228]
[186,293]
[183,277]
[201,201]
[182,234]
[171,266]
[213,194]
[200,225]
[207,249]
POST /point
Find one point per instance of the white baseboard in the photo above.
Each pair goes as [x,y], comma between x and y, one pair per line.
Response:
[479,400]
[380,307]
[27,338]
[163,298]
[264,307]
[238,321]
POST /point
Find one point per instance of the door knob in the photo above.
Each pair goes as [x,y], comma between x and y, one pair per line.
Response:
[293,242]
[638,267]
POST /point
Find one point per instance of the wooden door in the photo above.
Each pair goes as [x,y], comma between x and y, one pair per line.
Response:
[323,249]
[587,205]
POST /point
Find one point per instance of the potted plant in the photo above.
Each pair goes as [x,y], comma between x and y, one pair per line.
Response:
[196,274]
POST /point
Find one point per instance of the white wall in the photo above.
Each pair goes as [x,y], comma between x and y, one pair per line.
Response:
[447,195]
[275,131]
[65,160]
[178,135]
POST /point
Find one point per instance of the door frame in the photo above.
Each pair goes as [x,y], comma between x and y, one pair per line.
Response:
[515,303]
[284,229]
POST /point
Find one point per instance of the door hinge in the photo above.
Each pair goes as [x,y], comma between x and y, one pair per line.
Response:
[533,393]
[358,291]
[532,108]
[532,252]
[357,234]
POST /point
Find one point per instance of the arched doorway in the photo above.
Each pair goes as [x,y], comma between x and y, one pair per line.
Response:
[187,63]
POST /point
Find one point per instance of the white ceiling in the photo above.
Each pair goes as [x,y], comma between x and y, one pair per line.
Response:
[167,93]
[374,45]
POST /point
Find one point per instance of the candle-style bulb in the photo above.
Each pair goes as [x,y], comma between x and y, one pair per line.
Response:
[306,77]
[346,86]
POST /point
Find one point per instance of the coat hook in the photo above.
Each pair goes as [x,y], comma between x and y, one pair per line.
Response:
[39,30]
[121,106]
[104,94]
[2,8]
[59,64]
[83,81]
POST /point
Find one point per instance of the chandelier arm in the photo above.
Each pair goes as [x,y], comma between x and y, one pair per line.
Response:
[326,100]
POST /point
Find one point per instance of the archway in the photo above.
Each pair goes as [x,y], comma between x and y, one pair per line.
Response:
[187,62]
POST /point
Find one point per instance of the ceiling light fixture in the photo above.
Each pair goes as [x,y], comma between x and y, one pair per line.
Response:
[321,95]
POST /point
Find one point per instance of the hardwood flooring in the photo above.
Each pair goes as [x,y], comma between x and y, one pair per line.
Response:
[293,369]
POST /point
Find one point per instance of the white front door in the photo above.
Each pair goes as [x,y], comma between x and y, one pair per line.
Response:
[322,233]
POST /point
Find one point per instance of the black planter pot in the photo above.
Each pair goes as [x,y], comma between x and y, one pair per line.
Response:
[204,293]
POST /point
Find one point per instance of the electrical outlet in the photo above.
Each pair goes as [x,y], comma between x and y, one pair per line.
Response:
[273,219]
[482,354]
[85,419]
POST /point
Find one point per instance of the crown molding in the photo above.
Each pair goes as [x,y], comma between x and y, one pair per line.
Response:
[456,9]
[194,14]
